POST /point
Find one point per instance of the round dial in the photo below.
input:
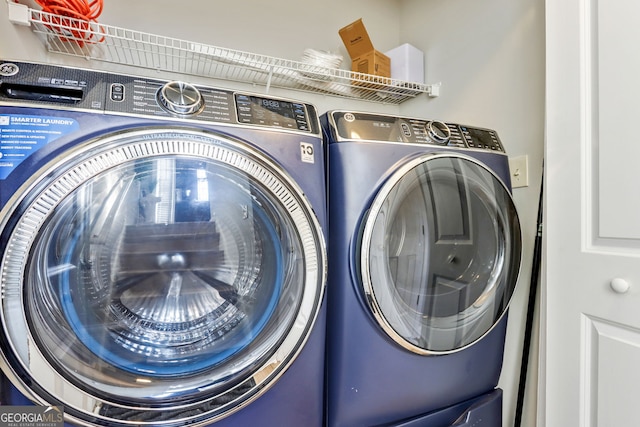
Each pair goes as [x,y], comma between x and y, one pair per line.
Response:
[438,132]
[180,98]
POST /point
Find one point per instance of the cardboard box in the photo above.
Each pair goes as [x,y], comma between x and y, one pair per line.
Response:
[407,63]
[364,58]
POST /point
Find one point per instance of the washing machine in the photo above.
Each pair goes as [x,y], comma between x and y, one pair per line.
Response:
[424,254]
[163,251]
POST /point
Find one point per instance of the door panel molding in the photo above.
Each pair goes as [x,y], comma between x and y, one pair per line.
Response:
[610,352]
[608,55]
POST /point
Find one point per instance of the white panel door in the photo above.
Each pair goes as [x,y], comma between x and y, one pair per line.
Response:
[591,363]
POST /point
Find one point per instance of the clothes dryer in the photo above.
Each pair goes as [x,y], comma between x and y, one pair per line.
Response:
[162,250]
[425,247]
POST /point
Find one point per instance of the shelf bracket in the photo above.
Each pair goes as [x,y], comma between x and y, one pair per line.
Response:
[433,90]
[269,77]
[18,13]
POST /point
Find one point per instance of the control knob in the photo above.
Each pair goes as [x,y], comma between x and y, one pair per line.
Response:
[438,132]
[180,98]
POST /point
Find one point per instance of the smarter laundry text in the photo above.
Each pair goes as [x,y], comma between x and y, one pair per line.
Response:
[21,135]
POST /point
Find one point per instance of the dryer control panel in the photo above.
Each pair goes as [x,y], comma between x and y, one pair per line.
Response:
[375,127]
[59,87]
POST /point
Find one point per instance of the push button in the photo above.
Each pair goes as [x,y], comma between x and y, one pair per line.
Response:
[117,92]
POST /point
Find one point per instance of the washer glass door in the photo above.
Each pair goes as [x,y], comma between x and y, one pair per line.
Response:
[440,253]
[157,277]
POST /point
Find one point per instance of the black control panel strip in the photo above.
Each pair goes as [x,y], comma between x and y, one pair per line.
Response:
[65,87]
[375,127]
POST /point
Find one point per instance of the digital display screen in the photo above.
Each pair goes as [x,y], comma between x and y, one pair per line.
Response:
[367,127]
[482,137]
[282,108]
[271,112]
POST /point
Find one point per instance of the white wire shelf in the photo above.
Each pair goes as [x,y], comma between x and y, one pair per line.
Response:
[118,45]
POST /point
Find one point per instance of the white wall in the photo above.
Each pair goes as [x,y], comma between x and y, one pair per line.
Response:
[488,55]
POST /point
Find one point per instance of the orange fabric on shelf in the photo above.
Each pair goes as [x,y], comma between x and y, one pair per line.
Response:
[78,9]
[83,11]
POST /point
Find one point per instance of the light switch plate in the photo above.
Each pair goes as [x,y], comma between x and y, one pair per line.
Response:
[519,170]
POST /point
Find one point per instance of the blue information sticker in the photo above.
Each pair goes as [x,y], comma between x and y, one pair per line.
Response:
[22,135]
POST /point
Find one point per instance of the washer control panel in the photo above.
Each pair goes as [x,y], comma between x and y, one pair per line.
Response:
[375,127]
[58,87]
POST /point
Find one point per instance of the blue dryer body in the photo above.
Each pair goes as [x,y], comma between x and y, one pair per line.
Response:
[205,308]
[377,377]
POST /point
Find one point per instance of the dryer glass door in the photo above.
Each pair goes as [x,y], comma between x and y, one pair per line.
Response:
[440,253]
[157,277]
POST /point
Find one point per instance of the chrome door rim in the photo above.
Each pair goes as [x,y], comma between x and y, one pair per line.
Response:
[363,253]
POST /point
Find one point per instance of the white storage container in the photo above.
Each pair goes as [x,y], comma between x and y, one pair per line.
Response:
[407,63]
